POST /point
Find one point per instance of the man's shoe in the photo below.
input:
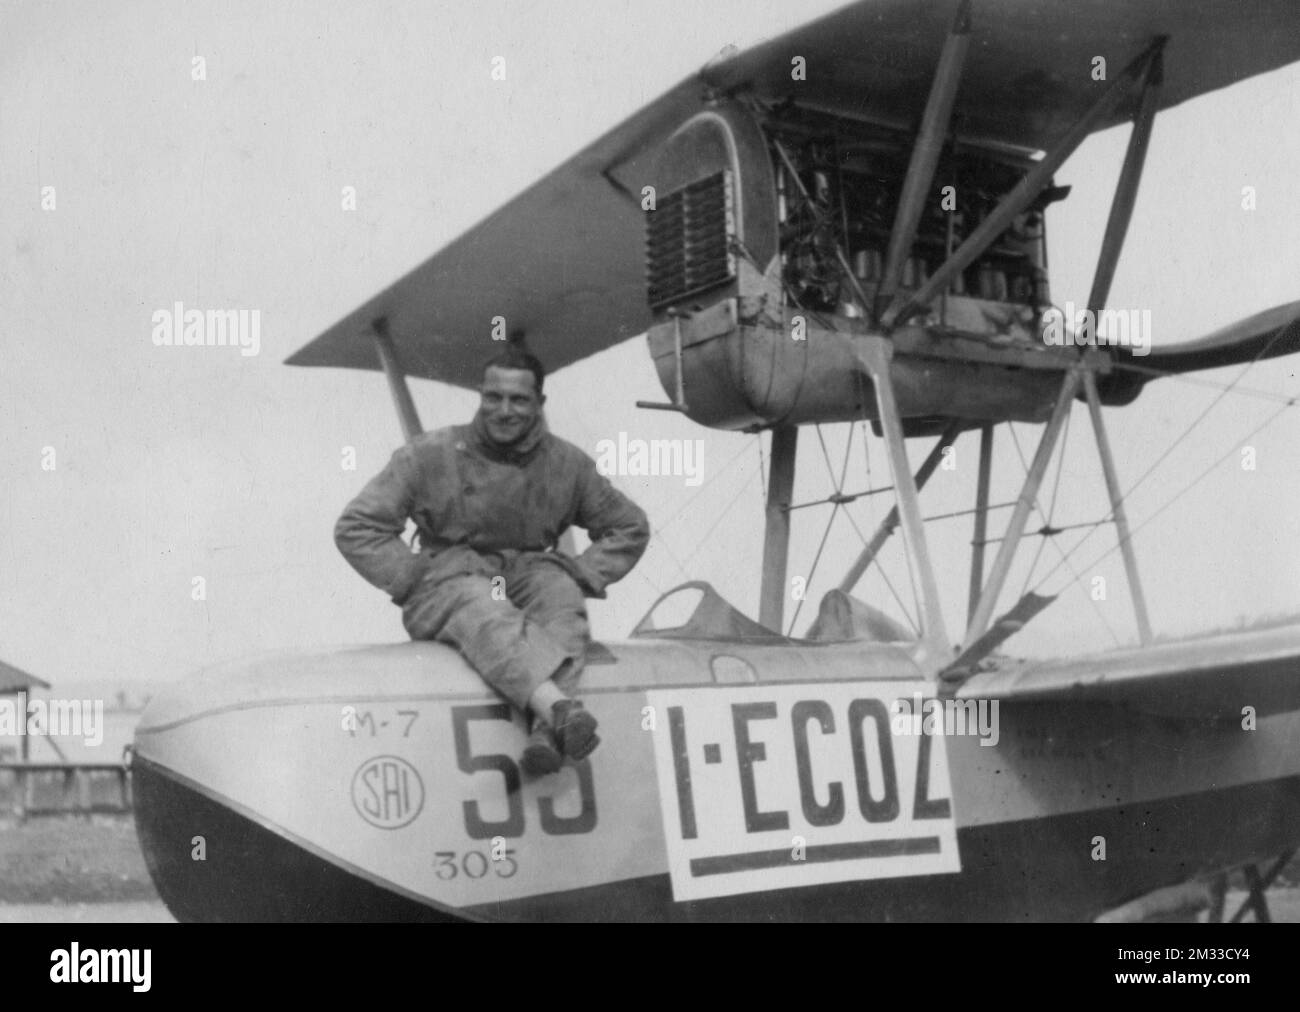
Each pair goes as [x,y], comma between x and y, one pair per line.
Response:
[575,729]
[541,756]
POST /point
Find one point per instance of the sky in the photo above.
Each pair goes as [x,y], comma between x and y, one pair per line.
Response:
[171,465]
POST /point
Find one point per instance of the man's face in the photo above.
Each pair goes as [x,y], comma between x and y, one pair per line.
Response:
[509,404]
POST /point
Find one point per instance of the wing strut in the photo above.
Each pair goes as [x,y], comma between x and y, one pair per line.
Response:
[1121,208]
[873,354]
[1121,213]
[1020,515]
[396,376]
[998,220]
[925,154]
[1117,509]
[776,536]
[980,536]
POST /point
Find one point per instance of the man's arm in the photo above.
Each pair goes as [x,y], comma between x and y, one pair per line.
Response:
[618,528]
[369,533]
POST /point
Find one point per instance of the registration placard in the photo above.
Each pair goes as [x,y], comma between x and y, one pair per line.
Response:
[776,787]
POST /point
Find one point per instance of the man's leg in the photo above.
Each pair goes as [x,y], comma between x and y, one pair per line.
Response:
[549,597]
[512,654]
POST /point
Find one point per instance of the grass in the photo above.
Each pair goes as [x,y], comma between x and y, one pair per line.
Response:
[72,859]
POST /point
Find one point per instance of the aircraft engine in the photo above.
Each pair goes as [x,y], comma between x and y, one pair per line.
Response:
[770,227]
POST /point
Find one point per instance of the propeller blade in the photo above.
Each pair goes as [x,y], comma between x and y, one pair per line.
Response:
[1270,334]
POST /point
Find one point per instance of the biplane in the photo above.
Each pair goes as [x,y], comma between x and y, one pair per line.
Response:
[846,223]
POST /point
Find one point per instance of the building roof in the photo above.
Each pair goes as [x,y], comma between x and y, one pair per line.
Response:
[16,680]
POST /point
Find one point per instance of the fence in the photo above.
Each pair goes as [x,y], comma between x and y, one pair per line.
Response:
[64,788]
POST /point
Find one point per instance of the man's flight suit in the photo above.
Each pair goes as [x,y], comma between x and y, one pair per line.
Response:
[484,580]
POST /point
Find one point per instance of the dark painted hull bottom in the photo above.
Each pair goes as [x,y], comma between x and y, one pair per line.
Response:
[1035,870]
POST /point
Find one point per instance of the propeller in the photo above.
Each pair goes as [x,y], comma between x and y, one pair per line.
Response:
[1270,334]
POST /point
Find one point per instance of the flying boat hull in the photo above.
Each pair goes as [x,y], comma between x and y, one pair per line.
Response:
[380,784]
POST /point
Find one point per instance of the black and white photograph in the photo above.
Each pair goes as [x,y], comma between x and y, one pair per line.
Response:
[654,461]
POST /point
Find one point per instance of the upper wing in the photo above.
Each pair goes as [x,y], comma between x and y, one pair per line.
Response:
[562,261]
[1029,71]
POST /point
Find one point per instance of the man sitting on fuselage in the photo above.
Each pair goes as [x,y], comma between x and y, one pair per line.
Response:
[490,501]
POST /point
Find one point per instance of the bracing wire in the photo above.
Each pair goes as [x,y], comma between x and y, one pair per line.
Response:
[681,510]
[1015,441]
[1224,390]
[1186,488]
[916,626]
[1051,506]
